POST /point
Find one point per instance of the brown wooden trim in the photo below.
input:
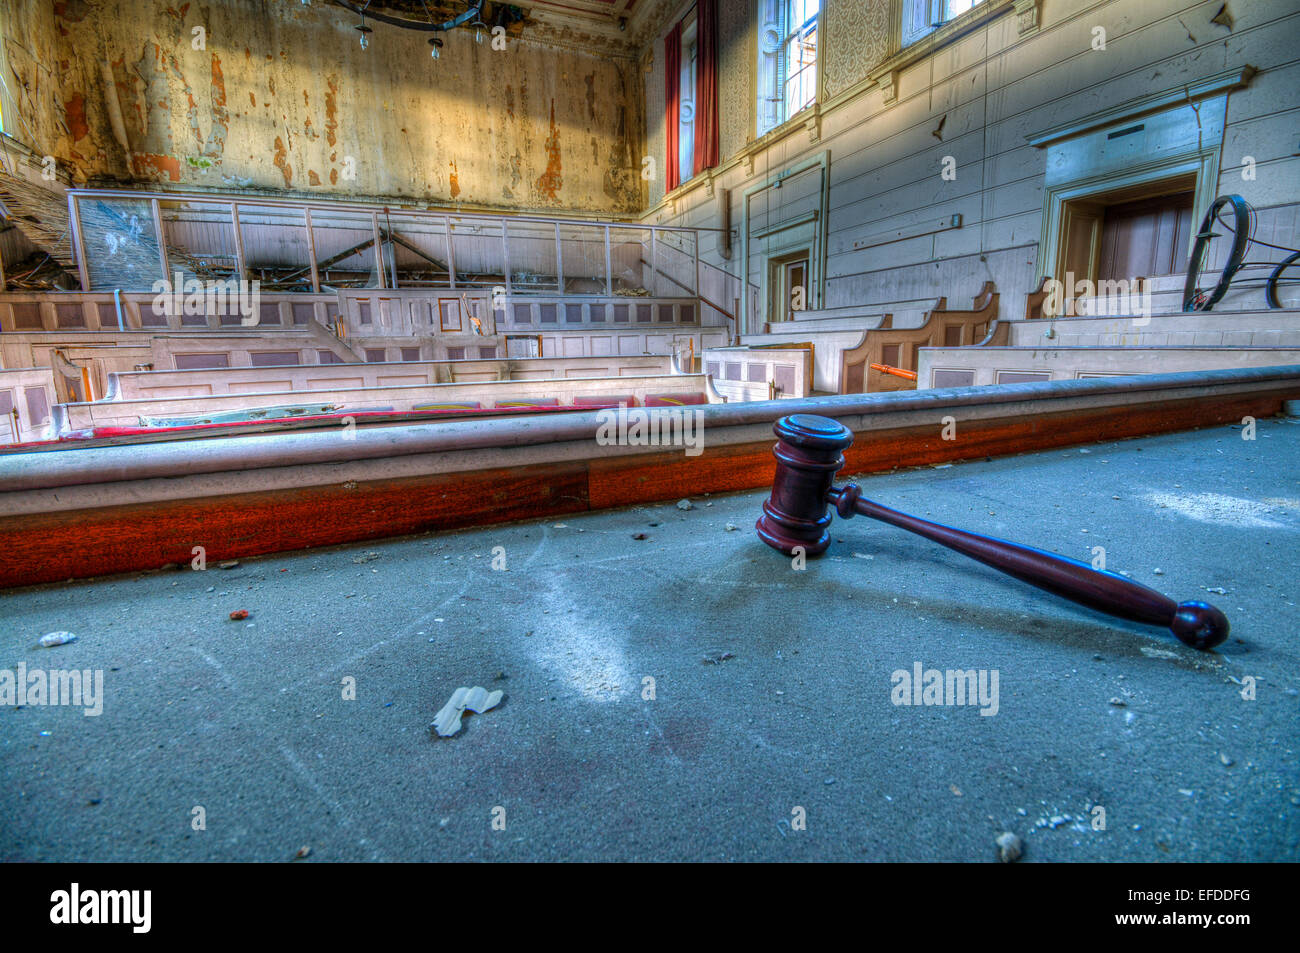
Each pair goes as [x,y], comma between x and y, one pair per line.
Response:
[50,547]
[665,476]
[930,333]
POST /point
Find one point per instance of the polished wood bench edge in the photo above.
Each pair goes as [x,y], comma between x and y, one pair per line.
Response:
[55,546]
[725,424]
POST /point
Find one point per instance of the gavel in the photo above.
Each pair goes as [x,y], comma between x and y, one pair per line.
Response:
[809,453]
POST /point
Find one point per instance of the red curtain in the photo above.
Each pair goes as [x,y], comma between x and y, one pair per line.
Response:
[706,86]
[672,101]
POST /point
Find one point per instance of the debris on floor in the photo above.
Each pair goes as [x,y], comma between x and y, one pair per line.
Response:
[238,614]
[1010,847]
[476,699]
[1151,652]
[51,639]
[685,505]
[365,557]
[716,658]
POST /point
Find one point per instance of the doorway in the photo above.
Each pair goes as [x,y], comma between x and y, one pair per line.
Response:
[1124,235]
[1148,237]
[789,284]
[8,418]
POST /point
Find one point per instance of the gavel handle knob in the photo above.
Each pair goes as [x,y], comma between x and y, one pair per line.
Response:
[1197,624]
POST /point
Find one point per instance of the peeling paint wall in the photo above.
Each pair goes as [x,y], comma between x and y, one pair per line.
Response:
[280,96]
[33,98]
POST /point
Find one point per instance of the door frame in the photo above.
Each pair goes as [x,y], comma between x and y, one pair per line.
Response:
[1091,202]
[814,237]
[778,270]
[1201,169]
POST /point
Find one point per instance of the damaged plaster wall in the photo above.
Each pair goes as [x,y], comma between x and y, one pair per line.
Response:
[281,97]
[32,96]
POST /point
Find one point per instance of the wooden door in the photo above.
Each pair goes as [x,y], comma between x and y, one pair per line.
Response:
[789,287]
[8,418]
[1147,237]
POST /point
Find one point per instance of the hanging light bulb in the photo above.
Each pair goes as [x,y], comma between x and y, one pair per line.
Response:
[364,30]
[435,42]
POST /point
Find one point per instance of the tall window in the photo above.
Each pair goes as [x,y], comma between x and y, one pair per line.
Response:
[686,107]
[921,17]
[787,62]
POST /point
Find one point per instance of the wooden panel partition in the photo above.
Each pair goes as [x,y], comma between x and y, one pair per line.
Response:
[897,347]
[121,509]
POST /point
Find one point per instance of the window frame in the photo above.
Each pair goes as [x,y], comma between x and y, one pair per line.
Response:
[772,74]
[793,35]
[920,18]
[686,96]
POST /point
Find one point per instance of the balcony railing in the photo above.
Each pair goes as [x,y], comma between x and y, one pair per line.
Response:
[128,241]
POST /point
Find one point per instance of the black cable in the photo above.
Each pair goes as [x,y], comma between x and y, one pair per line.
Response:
[1193,298]
[1270,284]
[1256,241]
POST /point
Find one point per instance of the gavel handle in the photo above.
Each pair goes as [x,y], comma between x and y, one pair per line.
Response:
[1197,624]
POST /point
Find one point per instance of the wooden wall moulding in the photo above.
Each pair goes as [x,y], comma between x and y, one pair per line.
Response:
[888,85]
[813,123]
[1027,17]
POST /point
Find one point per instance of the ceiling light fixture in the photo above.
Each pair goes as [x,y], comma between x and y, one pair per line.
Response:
[364,30]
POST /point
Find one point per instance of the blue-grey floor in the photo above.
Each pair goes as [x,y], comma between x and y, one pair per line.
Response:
[791,748]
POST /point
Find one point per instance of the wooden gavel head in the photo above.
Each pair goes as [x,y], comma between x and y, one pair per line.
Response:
[809,453]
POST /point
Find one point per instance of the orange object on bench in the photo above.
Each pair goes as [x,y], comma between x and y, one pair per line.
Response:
[896,371]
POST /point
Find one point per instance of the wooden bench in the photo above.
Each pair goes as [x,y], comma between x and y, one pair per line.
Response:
[897,347]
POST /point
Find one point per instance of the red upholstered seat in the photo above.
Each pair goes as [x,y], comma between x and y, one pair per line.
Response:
[603,400]
[450,405]
[529,402]
[674,400]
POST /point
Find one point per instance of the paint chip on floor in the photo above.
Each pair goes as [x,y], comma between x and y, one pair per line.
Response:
[476,699]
